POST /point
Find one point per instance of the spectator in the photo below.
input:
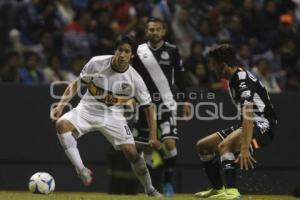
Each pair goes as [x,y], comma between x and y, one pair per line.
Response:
[45,47]
[53,70]
[76,41]
[125,14]
[261,71]
[10,71]
[105,33]
[183,32]
[268,20]
[244,56]
[163,10]
[235,30]
[76,67]
[196,56]
[30,73]
[205,34]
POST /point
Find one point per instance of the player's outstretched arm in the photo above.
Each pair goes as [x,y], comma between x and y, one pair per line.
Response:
[245,158]
[151,120]
[69,93]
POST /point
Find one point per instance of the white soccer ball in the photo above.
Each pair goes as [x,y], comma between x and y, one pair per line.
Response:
[41,183]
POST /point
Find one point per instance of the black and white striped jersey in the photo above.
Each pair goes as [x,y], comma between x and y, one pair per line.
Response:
[170,63]
[245,88]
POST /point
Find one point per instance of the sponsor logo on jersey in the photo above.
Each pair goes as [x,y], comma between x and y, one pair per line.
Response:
[165,55]
[243,85]
[246,94]
[125,86]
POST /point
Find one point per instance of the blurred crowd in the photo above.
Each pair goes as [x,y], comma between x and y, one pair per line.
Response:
[50,40]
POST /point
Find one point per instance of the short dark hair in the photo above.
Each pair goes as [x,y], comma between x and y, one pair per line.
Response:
[156,20]
[126,39]
[224,53]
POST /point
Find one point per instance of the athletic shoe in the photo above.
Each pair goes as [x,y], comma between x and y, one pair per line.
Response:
[86,176]
[213,193]
[168,190]
[230,194]
[154,193]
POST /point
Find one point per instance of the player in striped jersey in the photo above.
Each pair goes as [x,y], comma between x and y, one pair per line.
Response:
[160,65]
[237,143]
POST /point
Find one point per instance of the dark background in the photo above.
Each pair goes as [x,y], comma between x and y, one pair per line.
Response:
[28,144]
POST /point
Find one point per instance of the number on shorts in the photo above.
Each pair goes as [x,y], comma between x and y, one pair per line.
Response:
[127,130]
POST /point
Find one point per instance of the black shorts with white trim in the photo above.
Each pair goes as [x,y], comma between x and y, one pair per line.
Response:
[166,123]
[262,135]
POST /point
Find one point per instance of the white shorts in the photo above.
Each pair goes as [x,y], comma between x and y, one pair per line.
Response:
[115,130]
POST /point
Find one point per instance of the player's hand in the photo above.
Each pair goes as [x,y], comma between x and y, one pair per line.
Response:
[56,112]
[155,144]
[131,104]
[246,160]
[187,111]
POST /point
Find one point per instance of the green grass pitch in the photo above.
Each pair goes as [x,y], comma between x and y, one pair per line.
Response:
[17,195]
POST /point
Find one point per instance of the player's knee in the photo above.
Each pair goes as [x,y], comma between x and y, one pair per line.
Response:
[223,147]
[170,144]
[62,126]
[202,147]
[131,154]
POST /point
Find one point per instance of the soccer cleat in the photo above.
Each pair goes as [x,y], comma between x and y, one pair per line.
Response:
[168,190]
[154,193]
[211,193]
[229,194]
[86,176]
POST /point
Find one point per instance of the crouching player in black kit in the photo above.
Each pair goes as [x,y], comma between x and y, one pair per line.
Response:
[237,143]
[160,65]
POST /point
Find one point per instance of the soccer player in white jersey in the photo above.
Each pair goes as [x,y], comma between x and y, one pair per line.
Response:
[111,83]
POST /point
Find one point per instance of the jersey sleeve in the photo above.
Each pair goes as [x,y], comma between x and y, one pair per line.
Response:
[141,91]
[244,89]
[86,72]
[178,63]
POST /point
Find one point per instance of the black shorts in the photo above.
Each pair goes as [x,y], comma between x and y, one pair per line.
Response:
[263,133]
[166,124]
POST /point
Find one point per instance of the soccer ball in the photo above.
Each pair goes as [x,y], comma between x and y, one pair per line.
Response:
[41,183]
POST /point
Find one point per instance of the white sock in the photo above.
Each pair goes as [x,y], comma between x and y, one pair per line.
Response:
[69,143]
[227,156]
[142,173]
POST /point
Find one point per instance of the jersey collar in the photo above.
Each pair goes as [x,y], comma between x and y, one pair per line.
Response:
[155,49]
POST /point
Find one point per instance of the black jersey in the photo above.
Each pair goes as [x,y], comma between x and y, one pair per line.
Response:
[244,88]
[169,60]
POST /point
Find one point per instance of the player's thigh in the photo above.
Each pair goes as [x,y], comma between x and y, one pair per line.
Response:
[208,144]
[117,132]
[76,120]
[168,128]
[232,143]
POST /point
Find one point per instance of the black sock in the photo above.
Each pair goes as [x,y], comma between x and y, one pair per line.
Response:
[229,170]
[212,170]
[170,164]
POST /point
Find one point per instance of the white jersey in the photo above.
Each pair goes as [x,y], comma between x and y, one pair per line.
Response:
[105,85]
